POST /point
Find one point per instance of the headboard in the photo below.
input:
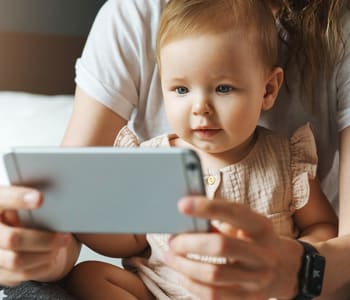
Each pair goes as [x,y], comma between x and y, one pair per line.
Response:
[40,41]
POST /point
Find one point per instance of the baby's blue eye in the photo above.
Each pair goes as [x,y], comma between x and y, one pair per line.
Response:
[181,90]
[224,89]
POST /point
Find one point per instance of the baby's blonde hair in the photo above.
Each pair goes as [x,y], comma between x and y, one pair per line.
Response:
[183,18]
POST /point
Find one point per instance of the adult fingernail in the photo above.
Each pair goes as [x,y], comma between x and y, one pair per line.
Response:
[186,205]
[31,198]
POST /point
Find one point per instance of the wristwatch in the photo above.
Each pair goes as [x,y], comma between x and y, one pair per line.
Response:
[311,272]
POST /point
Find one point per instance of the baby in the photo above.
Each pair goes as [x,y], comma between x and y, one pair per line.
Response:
[218,70]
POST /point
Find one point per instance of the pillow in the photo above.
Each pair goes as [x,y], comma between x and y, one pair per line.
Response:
[33,120]
[37,120]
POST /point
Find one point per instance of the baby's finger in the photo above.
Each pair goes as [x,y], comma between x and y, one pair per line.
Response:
[12,197]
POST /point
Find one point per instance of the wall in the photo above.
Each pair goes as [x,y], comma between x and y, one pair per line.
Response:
[40,42]
[67,17]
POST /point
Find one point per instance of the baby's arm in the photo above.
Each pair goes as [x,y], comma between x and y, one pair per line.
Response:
[115,245]
[316,220]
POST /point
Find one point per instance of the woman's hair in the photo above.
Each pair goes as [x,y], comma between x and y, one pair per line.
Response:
[313,39]
[184,18]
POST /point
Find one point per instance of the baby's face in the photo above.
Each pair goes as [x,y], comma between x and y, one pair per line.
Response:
[213,87]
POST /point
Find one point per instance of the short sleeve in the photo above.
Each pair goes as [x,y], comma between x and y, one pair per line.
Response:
[117,61]
[126,138]
[303,164]
[343,76]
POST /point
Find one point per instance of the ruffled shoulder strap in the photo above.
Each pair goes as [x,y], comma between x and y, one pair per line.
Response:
[158,141]
[126,138]
[303,164]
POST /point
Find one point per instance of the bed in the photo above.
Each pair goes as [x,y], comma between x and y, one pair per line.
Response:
[28,119]
[37,81]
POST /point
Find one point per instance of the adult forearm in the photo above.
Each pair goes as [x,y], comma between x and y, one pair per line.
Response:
[287,267]
[337,276]
[336,283]
[319,232]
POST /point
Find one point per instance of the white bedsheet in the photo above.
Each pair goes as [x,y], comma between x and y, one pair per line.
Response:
[36,120]
[30,120]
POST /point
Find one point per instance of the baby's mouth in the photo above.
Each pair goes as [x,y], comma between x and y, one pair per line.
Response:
[206,132]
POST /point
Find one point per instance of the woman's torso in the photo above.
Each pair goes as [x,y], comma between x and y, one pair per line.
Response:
[126,80]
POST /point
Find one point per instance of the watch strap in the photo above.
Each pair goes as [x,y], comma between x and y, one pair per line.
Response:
[310,276]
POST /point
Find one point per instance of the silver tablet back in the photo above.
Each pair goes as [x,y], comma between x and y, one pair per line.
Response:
[105,189]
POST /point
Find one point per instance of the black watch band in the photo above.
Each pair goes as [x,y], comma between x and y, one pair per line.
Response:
[310,277]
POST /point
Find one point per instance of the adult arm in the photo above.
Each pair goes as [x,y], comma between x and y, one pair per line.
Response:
[102,72]
[91,123]
[337,277]
[344,186]
[114,78]
[27,254]
[103,127]
[336,251]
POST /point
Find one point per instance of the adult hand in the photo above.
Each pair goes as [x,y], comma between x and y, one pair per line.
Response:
[27,254]
[261,264]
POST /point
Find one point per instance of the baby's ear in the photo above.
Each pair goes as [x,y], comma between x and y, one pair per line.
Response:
[272,87]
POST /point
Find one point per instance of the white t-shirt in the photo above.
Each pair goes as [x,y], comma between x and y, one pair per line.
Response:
[118,69]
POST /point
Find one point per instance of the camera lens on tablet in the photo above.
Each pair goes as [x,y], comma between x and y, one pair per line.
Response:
[191,166]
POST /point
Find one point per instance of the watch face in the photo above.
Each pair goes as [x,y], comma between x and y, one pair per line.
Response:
[315,274]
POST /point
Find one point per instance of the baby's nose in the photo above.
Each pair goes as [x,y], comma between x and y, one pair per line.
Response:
[202,107]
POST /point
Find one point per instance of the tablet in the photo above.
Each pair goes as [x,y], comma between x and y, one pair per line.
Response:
[107,189]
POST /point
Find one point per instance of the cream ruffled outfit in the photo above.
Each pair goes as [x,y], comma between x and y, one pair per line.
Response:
[273,179]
